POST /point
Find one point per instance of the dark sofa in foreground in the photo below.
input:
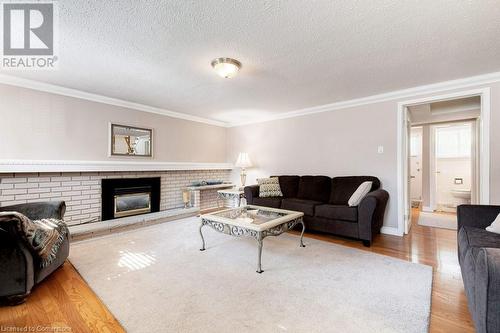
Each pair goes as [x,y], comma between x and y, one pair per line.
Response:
[323,200]
[20,270]
[479,257]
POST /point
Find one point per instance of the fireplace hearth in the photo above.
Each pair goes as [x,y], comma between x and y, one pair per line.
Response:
[123,197]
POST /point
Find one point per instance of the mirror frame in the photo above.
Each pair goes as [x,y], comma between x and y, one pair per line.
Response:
[111,140]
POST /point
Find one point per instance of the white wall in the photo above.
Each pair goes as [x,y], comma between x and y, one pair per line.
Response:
[454,164]
[449,169]
[40,125]
[343,142]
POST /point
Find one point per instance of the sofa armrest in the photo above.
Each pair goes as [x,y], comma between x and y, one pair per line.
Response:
[371,211]
[487,290]
[18,276]
[251,192]
[39,210]
[479,216]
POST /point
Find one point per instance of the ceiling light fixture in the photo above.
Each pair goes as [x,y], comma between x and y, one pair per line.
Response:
[226,67]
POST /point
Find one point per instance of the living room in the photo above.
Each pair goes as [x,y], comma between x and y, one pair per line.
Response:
[242,166]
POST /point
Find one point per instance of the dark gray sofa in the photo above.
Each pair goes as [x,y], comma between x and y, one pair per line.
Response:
[20,271]
[479,257]
[323,200]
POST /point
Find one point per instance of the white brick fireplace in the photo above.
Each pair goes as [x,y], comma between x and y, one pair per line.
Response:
[82,190]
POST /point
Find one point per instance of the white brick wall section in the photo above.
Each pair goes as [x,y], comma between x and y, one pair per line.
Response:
[15,191]
[14,180]
[82,191]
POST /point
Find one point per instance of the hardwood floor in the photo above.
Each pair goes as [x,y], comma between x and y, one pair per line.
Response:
[64,300]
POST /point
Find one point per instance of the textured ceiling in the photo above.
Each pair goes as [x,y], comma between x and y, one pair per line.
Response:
[295,54]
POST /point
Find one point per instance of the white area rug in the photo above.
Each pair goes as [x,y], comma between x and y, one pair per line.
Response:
[155,279]
[446,221]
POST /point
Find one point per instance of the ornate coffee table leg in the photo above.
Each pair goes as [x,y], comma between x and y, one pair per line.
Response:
[202,239]
[259,258]
[302,234]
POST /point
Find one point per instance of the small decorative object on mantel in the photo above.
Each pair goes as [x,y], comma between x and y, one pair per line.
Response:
[130,141]
[207,182]
[243,162]
[186,197]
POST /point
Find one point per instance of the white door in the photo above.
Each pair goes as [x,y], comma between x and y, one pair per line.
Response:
[416,164]
[416,178]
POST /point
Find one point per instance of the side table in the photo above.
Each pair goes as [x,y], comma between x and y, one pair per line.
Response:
[234,194]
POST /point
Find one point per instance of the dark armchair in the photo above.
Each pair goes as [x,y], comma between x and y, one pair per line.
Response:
[20,270]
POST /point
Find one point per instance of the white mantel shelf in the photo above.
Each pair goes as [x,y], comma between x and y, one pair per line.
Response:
[210,187]
[20,166]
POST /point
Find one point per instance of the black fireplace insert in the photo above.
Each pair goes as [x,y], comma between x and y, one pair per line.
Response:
[129,196]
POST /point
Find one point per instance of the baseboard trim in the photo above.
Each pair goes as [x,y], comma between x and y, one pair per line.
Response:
[391,231]
[427,209]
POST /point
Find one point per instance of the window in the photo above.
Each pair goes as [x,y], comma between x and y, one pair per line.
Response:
[453,141]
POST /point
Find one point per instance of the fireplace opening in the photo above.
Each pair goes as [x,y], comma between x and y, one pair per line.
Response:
[132,204]
[130,196]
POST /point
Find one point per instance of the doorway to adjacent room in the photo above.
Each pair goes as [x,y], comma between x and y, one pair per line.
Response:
[444,157]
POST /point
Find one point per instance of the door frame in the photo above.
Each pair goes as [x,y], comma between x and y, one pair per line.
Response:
[420,137]
[404,216]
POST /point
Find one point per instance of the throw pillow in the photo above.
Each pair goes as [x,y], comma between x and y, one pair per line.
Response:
[495,226]
[269,187]
[359,194]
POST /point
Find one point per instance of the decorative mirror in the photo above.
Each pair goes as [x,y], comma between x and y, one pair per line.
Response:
[131,141]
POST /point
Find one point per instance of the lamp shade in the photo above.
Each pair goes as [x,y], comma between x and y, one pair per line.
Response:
[243,161]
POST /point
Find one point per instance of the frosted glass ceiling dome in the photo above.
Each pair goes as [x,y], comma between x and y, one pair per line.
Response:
[226,67]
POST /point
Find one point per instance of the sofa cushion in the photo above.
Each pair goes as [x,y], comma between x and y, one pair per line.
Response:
[359,194]
[316,188]
[343,187]
[269,187]
[336,212]
[300,205]
[289,186]
[274,202]
[494,226]
[472,239]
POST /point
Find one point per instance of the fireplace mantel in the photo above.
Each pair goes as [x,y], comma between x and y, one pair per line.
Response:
[20,166]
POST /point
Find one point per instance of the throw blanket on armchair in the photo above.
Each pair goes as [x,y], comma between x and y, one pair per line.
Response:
[43,237]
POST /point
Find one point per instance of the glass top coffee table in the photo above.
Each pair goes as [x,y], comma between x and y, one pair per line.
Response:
[253,221]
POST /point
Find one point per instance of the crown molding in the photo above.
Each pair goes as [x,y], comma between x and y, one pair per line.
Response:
[389,96]
[59,90]
[29,166]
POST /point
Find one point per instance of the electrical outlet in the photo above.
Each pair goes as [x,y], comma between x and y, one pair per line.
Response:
[380,149]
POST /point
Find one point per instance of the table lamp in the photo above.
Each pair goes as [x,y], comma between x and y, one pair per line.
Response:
[243,162]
